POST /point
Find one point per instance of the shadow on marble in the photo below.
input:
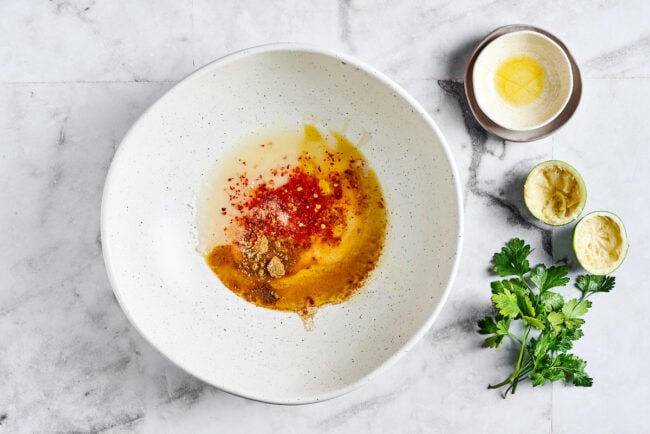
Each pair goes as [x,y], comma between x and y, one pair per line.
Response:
[563,245]
[459,57]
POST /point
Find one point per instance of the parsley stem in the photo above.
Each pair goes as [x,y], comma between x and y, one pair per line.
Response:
[523,346]
[516,372]
[515,337]
[585,296]
[523,279]
[524,373]
[503,383]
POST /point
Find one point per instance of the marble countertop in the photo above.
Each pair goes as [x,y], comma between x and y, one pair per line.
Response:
[76,74]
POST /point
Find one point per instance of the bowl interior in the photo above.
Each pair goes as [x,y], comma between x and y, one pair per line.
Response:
[177,303]
[557,88]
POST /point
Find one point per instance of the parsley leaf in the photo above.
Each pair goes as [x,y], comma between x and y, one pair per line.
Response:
[533,322]
[589,284]
[556,320]
[518,288]
[487,326]
[572,367]
[525,305]
[572,310]
[583,379]
[547,278]
[551,301]
[537,378]
[552,342]
[500,329]
[515,286]
[512,259]
[539,347]
[503,326]
[563,341]
[550,371]
[565,367]
[506,302]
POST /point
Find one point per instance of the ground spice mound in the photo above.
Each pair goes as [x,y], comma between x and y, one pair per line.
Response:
[307,233]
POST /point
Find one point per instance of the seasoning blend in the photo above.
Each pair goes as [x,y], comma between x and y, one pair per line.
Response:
[301,224]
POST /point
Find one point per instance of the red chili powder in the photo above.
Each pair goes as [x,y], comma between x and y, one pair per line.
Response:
[297,211]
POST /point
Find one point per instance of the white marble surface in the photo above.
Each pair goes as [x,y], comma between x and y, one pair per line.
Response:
[75,74]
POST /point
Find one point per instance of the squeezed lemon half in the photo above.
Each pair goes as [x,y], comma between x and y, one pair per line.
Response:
[600,242]
[555,193]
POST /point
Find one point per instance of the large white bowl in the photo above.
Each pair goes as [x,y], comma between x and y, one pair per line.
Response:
[172,297]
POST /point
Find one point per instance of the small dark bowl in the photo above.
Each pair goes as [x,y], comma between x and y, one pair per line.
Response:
[529,135]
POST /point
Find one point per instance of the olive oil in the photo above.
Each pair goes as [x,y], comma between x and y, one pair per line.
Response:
[519,80]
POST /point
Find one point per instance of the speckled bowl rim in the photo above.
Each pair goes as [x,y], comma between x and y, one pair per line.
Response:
[525,135]
[417,109]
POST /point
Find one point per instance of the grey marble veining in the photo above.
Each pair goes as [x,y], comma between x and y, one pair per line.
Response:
[76,74]
[508,198]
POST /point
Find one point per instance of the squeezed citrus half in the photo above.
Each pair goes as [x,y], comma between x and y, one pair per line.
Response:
[555,193]
[600,242]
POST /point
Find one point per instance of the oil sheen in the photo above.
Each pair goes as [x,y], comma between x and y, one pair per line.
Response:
[519,80]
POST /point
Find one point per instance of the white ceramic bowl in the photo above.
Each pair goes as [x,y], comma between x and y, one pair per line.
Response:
[558,80]
[172,297]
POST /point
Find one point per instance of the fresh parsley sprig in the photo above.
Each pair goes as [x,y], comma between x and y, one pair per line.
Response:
[550,324]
